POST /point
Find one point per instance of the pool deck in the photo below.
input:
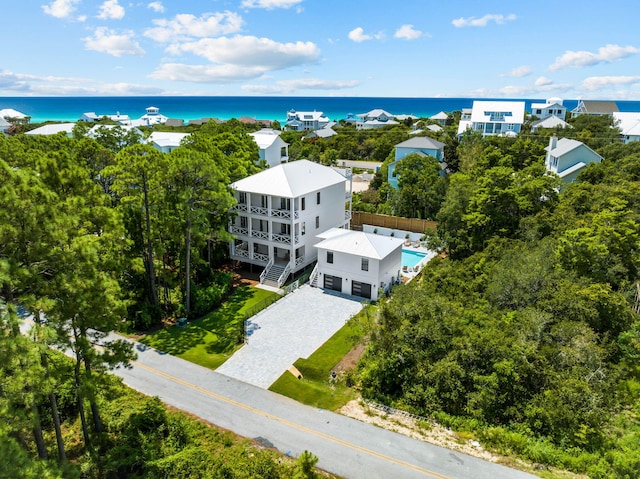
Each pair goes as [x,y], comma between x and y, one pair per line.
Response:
[413,272]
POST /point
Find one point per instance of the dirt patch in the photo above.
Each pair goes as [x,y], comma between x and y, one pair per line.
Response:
[349,361]
[428,432]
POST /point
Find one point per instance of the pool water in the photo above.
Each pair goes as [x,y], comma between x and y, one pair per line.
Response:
[411,258]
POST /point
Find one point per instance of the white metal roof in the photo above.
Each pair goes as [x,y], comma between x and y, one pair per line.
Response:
[513,111]
[11,113]
[52,129]
[358,243]
[265,137]
[551,122]
[290,180]
[167,138]
[439,116]
[627,122]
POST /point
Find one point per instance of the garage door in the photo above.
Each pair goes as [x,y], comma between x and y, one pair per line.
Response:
[361,289]
[332,282]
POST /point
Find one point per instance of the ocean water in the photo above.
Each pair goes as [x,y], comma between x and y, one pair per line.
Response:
[226,107]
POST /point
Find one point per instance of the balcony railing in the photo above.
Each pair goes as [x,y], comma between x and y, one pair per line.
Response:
[299,260]
[261,257]
[243,253]
[260,210]
[240,207]
[260,234]
[280,238]
[281,213]
[238,230]
[347,215]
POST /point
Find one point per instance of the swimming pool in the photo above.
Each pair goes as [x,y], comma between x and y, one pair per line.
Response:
[411,258]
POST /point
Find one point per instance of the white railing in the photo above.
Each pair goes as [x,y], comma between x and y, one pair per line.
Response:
[266,270]
[260,210]
[243,253]
[347,215]
[264,258]
[285,274]
[296,239]
[296,214]
[299,260]
[281,213]
[240,207]
[238,230]
[281,238]
[314,274]
[260,234]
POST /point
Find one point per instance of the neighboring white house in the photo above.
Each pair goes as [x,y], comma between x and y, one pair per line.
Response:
[166,141]
[422,145]
[273,149]
[441,118]
[305,120]
[281,210]
[494,118]
[53,129]
[325,132]
[596,108]
[14,116]
[151,117]
[357,263]
[552,107]
[567,158]
[5,126]
[89,117]
[549,122]
[629,125]
[377,118]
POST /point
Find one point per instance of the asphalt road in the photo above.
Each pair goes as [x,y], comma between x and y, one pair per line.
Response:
[344,446]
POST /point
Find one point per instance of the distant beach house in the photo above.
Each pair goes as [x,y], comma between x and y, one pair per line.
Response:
[567,158]
[629,125]
[305,120]
[357,263]
[89,117]
[377,118]
[14,116]
[280,211]
[596,108]
[166,141]
[440,117]
[421,145]
[5,126]
[552,107]
[273,149]
[549,122]
[151,117]
[54,129]
[494,118]
[325,132]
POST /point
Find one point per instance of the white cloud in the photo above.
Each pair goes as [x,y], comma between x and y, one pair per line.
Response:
[543,82]
[185,26]
[111,10]
[606,54]
[483,21]
[108,41]
[157,7]
[518,72]
[60,8]
[294,85]
[407,32]
[603,82]
[270,4]
[541,86]
[207,73]
[357,35]
[250,51]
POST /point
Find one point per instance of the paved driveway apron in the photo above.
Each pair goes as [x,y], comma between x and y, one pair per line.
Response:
[293,327]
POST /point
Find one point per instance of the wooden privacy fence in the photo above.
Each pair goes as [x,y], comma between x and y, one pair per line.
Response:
[416,225]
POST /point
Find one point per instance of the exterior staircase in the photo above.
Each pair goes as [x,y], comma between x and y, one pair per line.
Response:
[273,274]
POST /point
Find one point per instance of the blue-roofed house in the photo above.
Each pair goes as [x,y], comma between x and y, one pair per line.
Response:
[421,145]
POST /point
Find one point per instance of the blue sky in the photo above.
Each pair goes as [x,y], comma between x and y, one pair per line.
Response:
[404,48]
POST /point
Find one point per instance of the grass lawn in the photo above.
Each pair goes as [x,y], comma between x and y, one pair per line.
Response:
[212,339]
[315,387]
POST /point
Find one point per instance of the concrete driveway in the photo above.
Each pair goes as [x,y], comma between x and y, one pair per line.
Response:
[293,327]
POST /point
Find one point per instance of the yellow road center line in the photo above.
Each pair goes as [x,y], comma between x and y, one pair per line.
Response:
[291,424]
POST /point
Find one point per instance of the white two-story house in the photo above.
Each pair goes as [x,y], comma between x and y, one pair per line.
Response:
[357,263]
[305,120]
[273,149]
[567,158]
[552,107]
[494,118]
[281,210]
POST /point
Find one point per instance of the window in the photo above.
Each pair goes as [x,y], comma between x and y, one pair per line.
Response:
[302,205]
[317,222]
[510,126]
[364,264]
[243,198]
[550,112]
[318,198]
[538,111]
[243,222]
[330,257]
[303,228]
